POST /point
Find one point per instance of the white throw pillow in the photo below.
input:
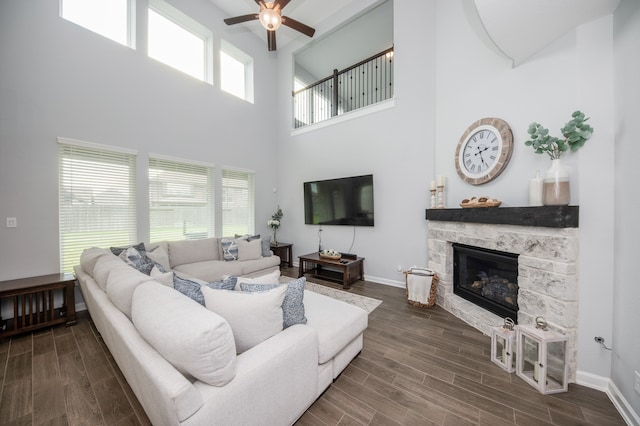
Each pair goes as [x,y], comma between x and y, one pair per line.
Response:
[249,250]
[253,317]
[196,341]
[165,278]
[270,278]
[159,255]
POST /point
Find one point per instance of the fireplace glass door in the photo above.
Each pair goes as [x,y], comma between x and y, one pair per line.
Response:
[487,278]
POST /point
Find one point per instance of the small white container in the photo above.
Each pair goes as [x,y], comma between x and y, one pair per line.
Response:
[536,186]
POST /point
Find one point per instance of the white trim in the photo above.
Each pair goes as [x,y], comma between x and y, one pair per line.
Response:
[181,160]
[592,381]
[606,385]
[237,169]
[75,142]
[370,109]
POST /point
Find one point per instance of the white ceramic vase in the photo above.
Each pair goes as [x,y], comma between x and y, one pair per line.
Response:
[556,190]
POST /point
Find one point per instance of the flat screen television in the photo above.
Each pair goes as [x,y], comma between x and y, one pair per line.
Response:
[344,201]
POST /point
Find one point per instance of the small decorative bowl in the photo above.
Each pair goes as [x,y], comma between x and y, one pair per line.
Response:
[330,254]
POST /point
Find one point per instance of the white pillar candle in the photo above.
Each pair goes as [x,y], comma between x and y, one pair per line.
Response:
[536,371]
[440,180]
[433,185]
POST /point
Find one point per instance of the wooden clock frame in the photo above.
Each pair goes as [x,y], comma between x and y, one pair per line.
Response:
[498,127]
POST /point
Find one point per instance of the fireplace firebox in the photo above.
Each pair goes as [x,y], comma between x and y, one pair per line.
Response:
[487,278]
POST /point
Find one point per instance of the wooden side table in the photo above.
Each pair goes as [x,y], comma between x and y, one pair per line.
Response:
[286,249]
[33,303]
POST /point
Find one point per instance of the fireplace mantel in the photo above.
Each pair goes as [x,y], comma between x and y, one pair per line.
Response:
[545,216]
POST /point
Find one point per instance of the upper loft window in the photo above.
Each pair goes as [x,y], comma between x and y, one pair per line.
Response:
[350,68]
[236,71]
[109,18]
[178,41]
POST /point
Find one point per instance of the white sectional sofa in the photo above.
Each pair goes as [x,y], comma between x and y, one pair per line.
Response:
[180,358]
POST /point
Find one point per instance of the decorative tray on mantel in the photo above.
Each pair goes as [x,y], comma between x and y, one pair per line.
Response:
[475,202]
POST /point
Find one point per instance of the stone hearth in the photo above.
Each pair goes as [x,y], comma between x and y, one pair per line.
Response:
[547,264]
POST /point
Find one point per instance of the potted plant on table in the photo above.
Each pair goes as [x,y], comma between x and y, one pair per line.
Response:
[576,132]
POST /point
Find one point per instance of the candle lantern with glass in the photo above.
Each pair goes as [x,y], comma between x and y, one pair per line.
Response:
[542,357]
[503,345]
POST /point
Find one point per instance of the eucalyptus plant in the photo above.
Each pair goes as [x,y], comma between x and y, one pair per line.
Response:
[576,132]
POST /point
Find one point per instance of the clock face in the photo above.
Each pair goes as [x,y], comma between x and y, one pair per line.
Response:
[484,150]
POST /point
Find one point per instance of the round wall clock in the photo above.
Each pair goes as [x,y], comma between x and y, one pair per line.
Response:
[484,150]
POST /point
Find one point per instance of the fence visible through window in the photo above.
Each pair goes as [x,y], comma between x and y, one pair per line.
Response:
[365,83]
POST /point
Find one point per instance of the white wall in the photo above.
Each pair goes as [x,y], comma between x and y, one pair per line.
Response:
[396,145]
[626,317]
[58,79]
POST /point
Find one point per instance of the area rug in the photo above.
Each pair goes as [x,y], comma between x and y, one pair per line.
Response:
[366,303]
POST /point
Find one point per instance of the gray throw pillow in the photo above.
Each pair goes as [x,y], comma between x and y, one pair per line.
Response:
[266,246]
[293,303]
[228,283]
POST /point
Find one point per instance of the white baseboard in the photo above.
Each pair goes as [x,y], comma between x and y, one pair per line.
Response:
[81,307]
[604,384]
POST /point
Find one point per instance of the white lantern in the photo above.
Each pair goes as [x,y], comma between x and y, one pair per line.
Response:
[503,345]
[542,357]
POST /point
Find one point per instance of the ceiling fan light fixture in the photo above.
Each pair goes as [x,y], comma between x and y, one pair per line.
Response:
[270,19]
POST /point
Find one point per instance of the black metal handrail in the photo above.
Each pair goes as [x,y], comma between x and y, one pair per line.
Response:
[362,84]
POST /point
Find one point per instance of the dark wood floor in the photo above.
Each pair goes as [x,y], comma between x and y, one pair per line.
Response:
[418,367]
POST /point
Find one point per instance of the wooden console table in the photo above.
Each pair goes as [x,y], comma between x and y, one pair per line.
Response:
[33,303]
[345,271]
[286,249]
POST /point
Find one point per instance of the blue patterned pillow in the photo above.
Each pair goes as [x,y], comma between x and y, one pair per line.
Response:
[139,260]
[266,246]
[228,283]
[188,288]
[229,249]
[293,304]
[247,237]
[117,250]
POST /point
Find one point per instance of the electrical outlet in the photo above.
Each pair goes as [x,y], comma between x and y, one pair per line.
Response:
[12,222]
[637,382]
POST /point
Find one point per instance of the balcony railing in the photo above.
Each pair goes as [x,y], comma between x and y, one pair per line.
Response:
[365,83]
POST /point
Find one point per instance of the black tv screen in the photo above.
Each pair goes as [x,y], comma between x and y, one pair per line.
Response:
[344,201]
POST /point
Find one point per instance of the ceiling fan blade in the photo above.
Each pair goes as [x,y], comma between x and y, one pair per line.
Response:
[298,26]
[282,3]
[243,18]
[271,40]
[261,3]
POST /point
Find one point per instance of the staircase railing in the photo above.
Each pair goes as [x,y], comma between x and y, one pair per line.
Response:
[365,83]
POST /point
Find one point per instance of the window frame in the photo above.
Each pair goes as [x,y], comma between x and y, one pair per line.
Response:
[190,25]
[246,60]
[100,232]
[236,173]
[130,37]
[183,166]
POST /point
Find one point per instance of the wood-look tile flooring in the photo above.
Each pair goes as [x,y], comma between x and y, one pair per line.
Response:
[418,367]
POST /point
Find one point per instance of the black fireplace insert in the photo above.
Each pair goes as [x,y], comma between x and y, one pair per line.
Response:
[487,278]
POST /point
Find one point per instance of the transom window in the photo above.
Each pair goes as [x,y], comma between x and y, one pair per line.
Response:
[236,72]
[109,18]
[178,41]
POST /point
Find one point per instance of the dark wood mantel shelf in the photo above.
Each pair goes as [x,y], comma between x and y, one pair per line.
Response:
[545,216]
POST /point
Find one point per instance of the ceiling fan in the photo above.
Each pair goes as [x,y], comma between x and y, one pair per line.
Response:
[271,18]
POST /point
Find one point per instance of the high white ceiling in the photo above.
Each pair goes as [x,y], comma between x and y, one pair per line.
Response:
[306,11]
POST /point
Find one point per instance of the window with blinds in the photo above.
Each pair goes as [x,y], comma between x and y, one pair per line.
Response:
[238,210]
[97,199]
[180,200]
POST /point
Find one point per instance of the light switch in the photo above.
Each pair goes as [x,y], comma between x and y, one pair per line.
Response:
[12,222]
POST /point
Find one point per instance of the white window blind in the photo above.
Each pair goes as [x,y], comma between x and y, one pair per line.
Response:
[97,204]
[180,200]
[238,210]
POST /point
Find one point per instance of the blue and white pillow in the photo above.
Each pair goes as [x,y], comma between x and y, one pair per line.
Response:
[117,250]
[229,249]
[188,288]
[293,303]
[228,283]
[139,260]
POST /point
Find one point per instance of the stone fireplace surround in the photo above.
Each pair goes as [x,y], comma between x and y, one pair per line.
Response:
[546,241]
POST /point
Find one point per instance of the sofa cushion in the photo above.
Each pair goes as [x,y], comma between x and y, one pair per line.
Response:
[293,303]
[103,266]
[122,280]
[337,323]
[90,256]
[190,251]
[229,249]
[211,270]
[253,317]
[189,288]
[249,250]
[252,266]
[195,340]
